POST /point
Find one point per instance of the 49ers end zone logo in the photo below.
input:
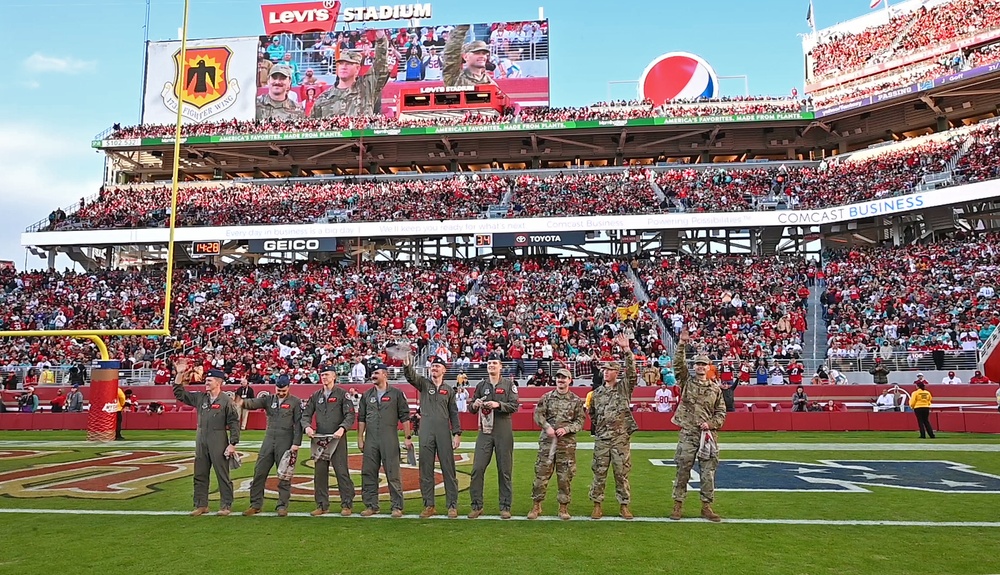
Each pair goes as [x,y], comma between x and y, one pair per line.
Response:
[202,83]
[121,475]
[112,475]
[302,484]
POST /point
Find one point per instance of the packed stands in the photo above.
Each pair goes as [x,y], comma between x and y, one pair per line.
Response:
[865,175]
[739,306]
[904,34]
[913,299]
[268,316]
[980,162]
[918,72]
[554,309]
[748,105]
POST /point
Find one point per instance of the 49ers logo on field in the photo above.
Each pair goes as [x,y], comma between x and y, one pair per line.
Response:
[302,484]
[113,475]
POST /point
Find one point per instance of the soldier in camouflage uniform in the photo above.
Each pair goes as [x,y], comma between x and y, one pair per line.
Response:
[354,94]
[613,429]
[276,104]
[701,408]
[465,64]
[561,416]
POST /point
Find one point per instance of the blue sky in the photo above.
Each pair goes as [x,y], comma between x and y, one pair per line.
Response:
[75,68]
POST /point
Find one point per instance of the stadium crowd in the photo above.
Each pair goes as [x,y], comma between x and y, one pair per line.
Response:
[468,196]
[915,299]
[741,307]
[553,310]
[905,33]
[727,106]
[278,319]
[908,75]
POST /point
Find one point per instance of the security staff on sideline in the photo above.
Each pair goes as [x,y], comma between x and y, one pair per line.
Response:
[494,399]
[382,409]
[440,433]
[284,433]
[334,413]
[213,446]
[920,403]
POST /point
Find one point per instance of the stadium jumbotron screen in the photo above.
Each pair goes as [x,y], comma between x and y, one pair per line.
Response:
[289,76]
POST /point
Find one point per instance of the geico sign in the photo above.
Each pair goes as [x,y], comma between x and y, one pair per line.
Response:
[296,245]
[300,17]
[380,13]
[291,245]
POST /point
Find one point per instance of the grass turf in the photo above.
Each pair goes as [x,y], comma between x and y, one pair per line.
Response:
[109,545]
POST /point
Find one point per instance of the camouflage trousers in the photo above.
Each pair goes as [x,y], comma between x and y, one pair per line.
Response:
[564,465]
[688,443]
[617,455]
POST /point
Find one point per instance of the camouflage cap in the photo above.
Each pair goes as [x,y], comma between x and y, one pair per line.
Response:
[352,57]
[612,366]
[286,71]
[564,373]
[702,358]
[476,46]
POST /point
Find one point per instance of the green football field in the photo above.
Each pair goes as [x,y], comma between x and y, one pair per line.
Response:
[796,503]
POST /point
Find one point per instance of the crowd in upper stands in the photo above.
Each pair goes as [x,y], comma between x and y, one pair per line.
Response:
[913,298]
[468,196]
[904,34]
[922,71]
[603,111]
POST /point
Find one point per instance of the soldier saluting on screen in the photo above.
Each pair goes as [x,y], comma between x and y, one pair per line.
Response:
[277,104]
[354,94]
[465,64]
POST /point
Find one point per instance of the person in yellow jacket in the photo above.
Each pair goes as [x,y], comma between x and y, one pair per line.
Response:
[920,402]
[118,415]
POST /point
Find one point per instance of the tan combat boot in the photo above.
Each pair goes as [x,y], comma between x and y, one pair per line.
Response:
[199,511]
[536,510]
[598,511]
[678,510]
[428,512]
[707,513]
[564,511]
[626,513]
[251,511]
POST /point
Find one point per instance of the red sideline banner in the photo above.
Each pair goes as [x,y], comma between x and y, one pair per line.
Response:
[103,405]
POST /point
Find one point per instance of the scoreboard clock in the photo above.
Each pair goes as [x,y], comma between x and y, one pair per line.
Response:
[484,241]
[206,248]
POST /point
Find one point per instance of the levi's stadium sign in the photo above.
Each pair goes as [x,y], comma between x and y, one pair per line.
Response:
[302,17]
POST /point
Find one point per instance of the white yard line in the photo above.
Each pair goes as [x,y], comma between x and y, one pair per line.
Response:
[924,446]
[820,522]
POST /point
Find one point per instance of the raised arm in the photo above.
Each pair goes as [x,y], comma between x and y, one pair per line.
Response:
[681,372]
[452,55]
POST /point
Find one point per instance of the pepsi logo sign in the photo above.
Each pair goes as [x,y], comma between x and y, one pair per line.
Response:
[678,76]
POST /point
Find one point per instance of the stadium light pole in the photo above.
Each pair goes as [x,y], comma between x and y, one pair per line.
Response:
[96,335]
